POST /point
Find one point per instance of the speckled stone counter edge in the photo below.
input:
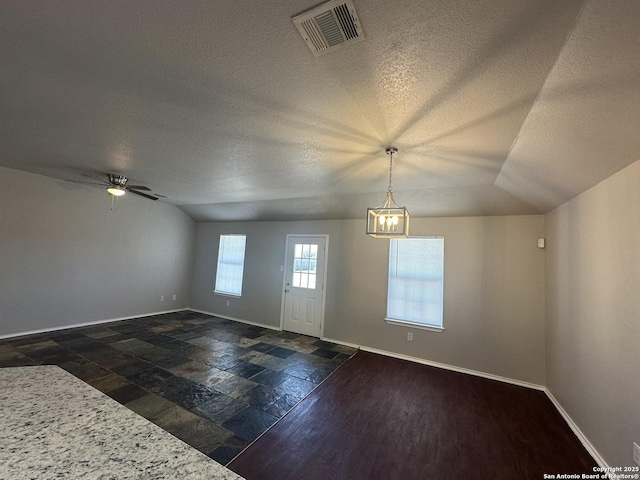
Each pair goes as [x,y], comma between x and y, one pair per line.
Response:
[53,425]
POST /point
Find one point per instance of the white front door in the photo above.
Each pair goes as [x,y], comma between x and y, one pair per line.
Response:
[304,281]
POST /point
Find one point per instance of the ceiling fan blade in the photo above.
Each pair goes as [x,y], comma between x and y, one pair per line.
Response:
[139,187]
[151,197]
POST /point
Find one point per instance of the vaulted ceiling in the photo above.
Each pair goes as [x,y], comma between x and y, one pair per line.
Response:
[496,106]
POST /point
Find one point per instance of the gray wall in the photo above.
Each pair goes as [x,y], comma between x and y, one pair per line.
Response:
[66,258]
[593,306]
[494,288]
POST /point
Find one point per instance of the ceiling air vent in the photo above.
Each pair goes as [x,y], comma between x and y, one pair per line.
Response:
[329,26]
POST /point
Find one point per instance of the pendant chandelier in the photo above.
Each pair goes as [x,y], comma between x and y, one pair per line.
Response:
[388,220]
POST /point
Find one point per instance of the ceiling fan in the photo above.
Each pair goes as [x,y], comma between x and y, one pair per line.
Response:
[117,185]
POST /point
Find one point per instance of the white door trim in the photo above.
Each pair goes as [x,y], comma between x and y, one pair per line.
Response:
[284,275]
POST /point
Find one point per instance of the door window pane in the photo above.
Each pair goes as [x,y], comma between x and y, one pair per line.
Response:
[304,265]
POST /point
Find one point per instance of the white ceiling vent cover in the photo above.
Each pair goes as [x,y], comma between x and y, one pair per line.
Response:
[329,26]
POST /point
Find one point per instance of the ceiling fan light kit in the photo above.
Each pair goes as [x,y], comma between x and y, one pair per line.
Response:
[116,191]
[388,220]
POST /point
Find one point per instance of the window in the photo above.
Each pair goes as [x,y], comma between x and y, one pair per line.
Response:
[230,264]
[305,260]
[416,279]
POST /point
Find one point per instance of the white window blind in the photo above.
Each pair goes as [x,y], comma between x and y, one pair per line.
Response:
[230,264]
[416,281]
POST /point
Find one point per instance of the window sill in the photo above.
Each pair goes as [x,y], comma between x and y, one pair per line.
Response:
[420,326]
[225,294]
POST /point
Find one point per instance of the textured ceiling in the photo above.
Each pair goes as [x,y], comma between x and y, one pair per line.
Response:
[497,106]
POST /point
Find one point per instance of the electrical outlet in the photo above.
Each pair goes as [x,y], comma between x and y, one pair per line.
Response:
[174,297]
[410,336]
[228,303]
[636,453]
[162,298]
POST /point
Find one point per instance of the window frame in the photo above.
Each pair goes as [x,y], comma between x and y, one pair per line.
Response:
[422,325]
[218,263]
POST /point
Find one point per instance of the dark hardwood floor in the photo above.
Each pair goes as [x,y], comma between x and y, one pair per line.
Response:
[382,418]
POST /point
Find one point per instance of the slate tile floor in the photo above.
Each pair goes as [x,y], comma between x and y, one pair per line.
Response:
[214,383]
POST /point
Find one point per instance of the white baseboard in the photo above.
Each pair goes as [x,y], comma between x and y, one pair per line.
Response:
[88,324]
[111,320]
[444,366]
[226,317]
[576,430]
[340,342]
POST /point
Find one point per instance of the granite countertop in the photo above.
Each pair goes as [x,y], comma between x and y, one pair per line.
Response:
[53,425]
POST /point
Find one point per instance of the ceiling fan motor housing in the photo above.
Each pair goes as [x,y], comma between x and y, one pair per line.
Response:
[118,180]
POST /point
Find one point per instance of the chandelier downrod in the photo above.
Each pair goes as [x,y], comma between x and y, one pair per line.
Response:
[390,151]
